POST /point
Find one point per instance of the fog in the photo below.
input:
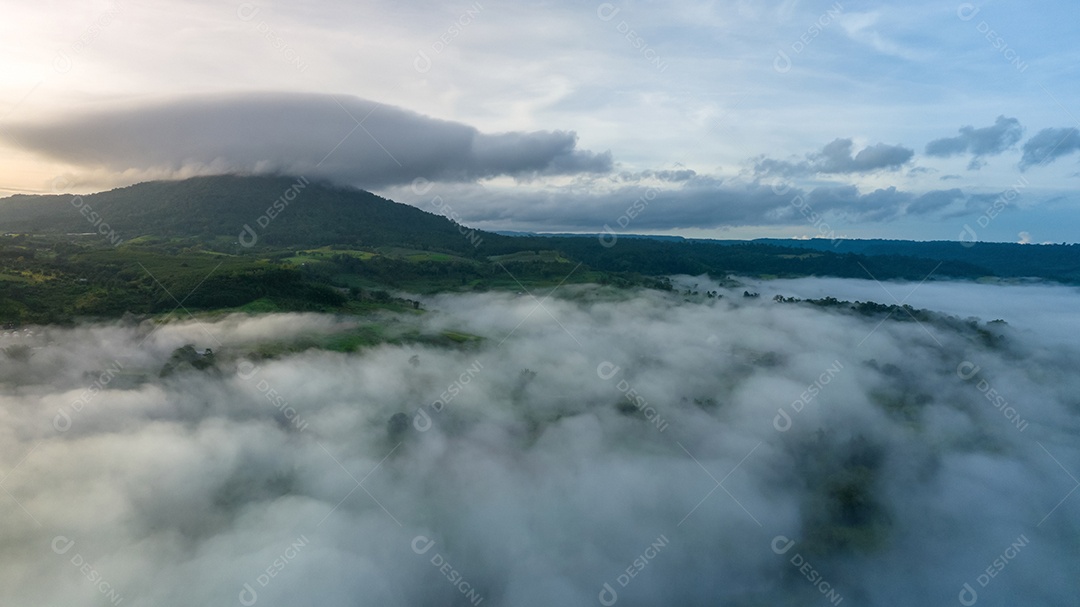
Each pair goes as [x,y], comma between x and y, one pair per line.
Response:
[1039,307]
[593,447]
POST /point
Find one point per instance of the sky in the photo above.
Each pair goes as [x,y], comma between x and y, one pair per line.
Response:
[923,121]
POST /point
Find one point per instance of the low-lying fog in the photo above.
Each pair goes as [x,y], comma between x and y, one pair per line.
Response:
[603,447]
[1043,308]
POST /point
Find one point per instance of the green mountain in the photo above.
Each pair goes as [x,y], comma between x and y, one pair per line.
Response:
[279,211]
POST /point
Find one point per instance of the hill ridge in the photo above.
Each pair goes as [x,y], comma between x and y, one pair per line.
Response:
[278,210]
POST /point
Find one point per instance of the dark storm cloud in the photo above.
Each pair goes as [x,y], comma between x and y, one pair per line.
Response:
[985,141]
[347,139]
[1048,145]
[837,158]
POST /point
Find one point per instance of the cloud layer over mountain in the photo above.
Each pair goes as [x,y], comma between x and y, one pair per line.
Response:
[348,139]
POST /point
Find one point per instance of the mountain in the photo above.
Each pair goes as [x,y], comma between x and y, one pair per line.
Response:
[279,211]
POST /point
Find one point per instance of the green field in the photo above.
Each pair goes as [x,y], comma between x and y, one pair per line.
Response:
[62,279]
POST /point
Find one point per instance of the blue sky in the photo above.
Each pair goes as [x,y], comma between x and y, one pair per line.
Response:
[927,120]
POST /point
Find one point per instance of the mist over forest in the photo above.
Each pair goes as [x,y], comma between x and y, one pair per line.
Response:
[599,445]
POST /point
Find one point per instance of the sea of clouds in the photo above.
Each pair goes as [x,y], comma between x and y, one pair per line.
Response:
[594,447]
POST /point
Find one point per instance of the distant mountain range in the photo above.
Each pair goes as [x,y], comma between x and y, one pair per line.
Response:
[999,259]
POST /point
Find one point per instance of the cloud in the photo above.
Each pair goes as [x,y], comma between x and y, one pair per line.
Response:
[934,201]
[662,203]
[882,204]
[1048,145]
[550,456]
[347,139]
[985,141]
[866,28]
[836,158]
[667,175]
[878,205]
[642,202]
